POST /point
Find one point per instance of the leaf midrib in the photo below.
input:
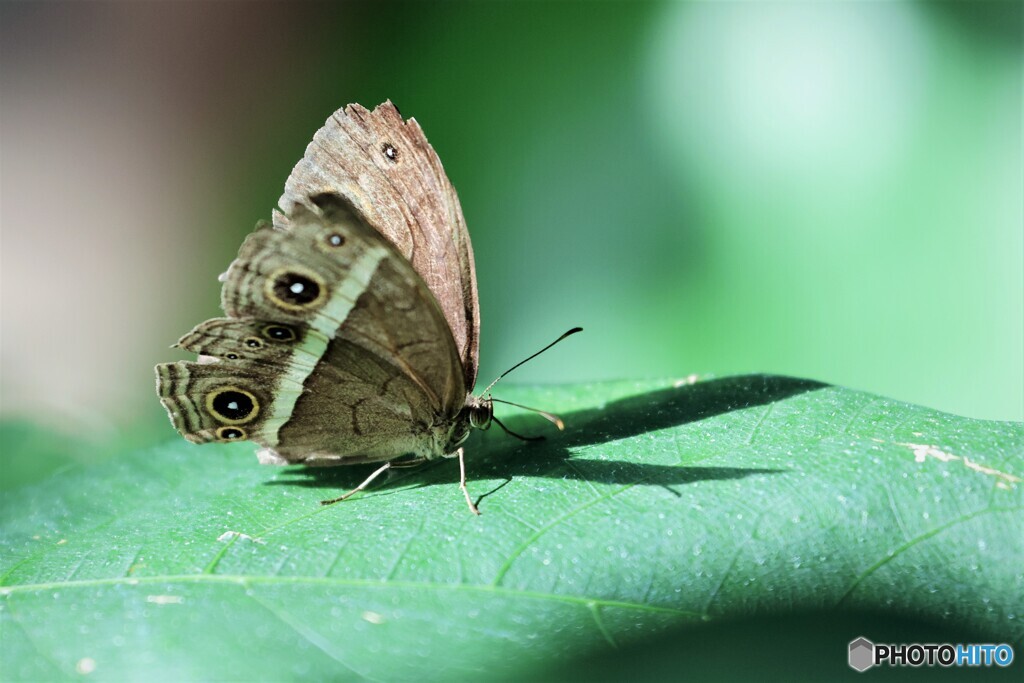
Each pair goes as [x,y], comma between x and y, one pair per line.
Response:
[246,581]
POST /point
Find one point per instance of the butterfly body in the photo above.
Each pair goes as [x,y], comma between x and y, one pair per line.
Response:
[351,328]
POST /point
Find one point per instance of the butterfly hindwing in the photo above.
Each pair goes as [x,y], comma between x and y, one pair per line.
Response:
[357,408]
[224,402]
[249,340]
[349,353]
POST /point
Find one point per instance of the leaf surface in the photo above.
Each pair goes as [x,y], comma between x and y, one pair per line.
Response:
[663,504]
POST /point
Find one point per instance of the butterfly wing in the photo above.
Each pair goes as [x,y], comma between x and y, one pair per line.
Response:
[387,169]
[334,349]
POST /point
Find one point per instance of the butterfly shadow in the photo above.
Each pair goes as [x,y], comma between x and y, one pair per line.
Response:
[498,456]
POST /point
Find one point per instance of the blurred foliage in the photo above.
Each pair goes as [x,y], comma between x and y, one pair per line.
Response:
[602,188]
[803,647]
[826,190]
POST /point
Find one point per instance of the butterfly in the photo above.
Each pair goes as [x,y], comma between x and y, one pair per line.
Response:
[352,322]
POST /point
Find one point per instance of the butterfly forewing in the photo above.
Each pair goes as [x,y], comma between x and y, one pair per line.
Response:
[387,169]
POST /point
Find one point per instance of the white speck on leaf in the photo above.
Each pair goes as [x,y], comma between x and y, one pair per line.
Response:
[988,470]
[165,599]
[923,451]
[228,535]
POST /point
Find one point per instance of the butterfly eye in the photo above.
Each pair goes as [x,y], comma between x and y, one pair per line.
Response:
[231,356]
[291,289]
[231,434]
[335,240]
[232,405]
[390,151]
[253,342]
[279,333]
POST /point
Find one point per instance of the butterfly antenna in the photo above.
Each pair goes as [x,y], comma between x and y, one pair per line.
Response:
[518,436]
[550,417]
[567,334]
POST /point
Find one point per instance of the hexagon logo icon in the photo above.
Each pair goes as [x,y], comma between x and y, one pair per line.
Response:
[862,654]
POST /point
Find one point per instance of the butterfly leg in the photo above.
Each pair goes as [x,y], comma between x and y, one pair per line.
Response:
[462,483]
[381,470]
[412,462]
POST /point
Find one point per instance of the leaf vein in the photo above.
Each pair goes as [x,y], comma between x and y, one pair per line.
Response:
[916,540]
[410,539]
[248,581]
[595,612]
[503,570]
[209,568]
[856,416]
[307,634]
[45,656]
[757,427]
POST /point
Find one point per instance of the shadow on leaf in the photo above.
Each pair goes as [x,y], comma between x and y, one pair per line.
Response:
[676,406]
[499,457]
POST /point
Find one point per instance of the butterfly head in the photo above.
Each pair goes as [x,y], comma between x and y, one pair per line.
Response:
[480,411]
[476,414]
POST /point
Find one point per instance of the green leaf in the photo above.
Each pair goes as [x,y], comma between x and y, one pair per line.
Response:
[662,505]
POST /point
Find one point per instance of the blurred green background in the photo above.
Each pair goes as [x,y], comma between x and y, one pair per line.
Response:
[827,190]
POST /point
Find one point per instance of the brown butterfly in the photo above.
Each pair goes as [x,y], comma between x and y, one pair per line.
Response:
[352,328]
